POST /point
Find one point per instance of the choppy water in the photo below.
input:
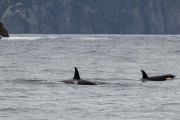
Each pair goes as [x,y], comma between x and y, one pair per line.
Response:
[31,67]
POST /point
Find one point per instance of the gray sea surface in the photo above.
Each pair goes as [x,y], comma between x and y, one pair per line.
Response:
[32,66]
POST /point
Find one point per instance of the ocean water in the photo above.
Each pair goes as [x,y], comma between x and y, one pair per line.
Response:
[32,66]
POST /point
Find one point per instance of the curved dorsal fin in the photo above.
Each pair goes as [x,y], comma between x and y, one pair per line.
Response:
[76,74]
[144,74]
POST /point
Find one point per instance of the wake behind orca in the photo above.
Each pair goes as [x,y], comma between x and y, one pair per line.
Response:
[78,80]
[156,78]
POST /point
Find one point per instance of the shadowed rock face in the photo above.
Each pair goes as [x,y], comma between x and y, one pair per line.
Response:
[3,31]
[91,16]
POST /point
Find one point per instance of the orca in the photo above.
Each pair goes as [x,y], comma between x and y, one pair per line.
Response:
[78,80]
[156,78]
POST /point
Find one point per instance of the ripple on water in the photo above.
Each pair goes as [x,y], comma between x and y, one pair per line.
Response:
[31,69]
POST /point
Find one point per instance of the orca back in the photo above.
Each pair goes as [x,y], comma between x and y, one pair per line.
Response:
[85,82]
[161,77]
[78,80]
[156,78]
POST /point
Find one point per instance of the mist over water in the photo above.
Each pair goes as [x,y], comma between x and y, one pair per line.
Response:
[32,66]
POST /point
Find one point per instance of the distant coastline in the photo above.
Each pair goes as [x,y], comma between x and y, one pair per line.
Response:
[91,17]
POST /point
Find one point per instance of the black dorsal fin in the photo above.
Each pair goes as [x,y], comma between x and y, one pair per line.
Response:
[76,74]
[144,74]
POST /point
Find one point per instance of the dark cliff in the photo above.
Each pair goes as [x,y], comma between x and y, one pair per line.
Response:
[91,16]
[3,31]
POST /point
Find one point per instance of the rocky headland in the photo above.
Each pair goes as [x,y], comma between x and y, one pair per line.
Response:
[3,31]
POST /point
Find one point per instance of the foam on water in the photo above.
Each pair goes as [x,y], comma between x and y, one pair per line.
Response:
[90,38]
[23,38]
[29,37]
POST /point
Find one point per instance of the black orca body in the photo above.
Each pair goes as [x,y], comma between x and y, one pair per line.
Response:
[156,78]
[78,80]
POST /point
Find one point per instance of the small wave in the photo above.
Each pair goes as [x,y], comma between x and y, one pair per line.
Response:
[177,77]
[35,81]
[30,81]
[100,83]
[7,109]
[92,51]
[177,51]
[53,37]
[93,38]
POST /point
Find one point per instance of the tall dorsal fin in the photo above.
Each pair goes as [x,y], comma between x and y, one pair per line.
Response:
[76,74]
[144,74]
